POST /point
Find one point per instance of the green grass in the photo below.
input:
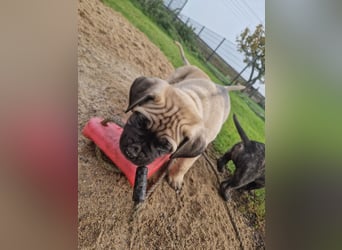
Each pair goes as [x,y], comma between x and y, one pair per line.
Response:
[252,124]
[223,78]
[228,136]
[254,106]
[157,35]
[148,27]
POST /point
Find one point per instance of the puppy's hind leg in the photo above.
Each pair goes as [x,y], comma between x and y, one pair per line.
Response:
[178,75]
[258,183]
[241,178]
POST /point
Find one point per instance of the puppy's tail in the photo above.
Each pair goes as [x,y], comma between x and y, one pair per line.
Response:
[185,61]
[234,87]
[242,133]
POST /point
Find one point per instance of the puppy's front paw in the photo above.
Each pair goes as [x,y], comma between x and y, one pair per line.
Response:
[176,182]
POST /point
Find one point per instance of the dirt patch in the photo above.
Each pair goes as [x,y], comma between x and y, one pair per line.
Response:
[111,54]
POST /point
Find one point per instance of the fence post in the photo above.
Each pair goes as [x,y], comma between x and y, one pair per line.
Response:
[218,46]
[248,64]
[236,77]
[168,6]
[200,31]
[186,1]
[177,11]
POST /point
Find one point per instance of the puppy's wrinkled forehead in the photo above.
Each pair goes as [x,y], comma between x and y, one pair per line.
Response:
[148,127]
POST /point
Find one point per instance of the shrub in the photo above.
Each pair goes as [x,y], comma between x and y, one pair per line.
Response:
[167,20]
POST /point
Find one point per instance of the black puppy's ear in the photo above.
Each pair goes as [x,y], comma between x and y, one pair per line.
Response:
[190,147]
[140,92]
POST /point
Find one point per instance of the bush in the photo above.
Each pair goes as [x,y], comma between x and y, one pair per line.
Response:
[167,20]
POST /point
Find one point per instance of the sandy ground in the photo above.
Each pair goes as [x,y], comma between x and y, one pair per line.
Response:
[112,53]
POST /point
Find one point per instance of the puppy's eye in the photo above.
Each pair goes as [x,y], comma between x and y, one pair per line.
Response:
[139,120]
[165,145]
[163,141]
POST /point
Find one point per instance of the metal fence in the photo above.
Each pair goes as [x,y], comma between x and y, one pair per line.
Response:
[175,5]
[216,42]
[217,50]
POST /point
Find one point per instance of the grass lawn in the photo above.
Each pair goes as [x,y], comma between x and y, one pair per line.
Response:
[252,124]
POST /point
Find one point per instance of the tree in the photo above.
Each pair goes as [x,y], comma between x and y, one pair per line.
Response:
[253,46]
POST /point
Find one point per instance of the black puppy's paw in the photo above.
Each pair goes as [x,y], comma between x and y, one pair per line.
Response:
[224,190]
[225,194]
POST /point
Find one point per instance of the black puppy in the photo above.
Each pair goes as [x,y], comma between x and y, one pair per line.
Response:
[249,159]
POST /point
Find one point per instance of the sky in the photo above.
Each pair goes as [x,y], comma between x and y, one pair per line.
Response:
[228,18]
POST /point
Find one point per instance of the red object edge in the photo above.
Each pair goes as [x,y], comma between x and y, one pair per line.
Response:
[107,139]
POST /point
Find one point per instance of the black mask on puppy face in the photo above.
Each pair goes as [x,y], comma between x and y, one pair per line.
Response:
[138,144]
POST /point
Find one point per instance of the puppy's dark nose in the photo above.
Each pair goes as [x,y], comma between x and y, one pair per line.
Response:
[133,151]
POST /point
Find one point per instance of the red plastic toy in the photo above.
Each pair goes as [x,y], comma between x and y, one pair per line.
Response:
[107,139]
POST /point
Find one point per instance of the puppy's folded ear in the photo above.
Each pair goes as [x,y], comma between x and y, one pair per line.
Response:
[190,147]
[145,89]
[141,91]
